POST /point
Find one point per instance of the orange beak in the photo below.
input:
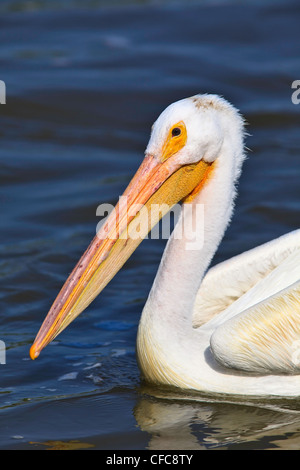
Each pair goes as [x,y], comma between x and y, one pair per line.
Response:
[157,181]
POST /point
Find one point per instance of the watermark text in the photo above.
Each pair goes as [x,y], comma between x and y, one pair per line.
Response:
[137,222]
[296,94]
[2,92]
[2,352]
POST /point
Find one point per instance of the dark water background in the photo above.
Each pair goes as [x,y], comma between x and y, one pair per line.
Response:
[83,88]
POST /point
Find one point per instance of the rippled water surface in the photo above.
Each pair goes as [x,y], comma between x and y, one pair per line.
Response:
[84,86]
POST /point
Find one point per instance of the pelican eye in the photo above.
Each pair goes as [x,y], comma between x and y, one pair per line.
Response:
[175,140]
[176,132]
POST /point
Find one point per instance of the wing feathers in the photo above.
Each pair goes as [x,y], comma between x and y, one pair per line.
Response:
[228,281]
[263,339]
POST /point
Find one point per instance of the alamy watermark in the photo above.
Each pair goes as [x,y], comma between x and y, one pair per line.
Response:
[2,101]
[2,92]
[140,222]
[2,352]
[296,94]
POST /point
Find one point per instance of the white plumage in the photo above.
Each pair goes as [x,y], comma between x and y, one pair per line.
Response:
[192,319]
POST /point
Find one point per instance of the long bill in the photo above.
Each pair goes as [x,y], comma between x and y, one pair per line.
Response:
[156,188]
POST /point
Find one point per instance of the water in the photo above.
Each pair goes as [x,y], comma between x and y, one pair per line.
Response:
[83,88]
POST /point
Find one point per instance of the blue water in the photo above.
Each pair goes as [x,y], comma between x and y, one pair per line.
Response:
[84,86]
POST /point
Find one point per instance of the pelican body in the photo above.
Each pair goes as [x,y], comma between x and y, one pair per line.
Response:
[231,329]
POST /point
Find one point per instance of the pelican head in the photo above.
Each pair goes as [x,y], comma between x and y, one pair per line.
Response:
[185,144]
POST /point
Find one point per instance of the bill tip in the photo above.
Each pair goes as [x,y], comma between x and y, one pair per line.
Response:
[33,352]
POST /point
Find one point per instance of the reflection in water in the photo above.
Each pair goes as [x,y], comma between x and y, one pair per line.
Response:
[62,445]
[178,421]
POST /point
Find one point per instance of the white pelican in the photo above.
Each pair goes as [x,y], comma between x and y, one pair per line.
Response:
[234,329]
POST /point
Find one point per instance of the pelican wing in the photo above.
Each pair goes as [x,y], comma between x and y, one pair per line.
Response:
[228,281]
[265,337]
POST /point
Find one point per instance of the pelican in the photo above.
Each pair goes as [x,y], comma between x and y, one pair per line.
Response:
[231,329]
